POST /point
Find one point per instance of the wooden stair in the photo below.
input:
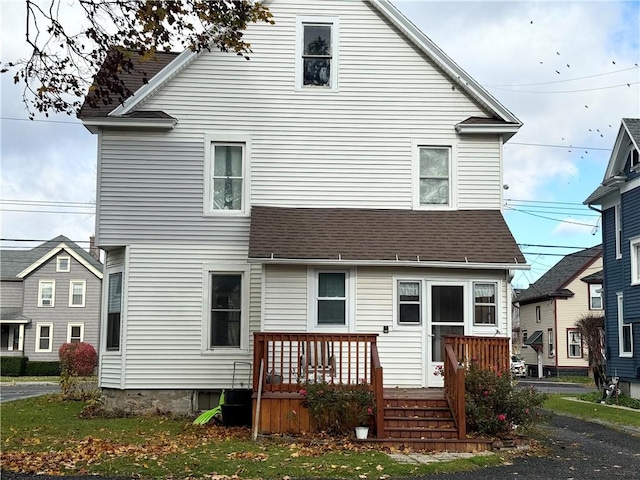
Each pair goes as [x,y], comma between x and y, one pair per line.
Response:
[421,420]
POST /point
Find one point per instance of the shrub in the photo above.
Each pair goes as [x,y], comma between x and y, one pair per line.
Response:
[494,407]
[13,366]
[42,369]
[338,408]
[77,359]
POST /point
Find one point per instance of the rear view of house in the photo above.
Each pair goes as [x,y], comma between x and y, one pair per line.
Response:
[50,295]
[618,197]
[345,181]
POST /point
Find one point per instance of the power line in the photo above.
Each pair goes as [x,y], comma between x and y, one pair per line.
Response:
[34,240]
[567,80]
[45,202]
[557,146]
[45,211]
[552,246]
[542,201]
[39,120]
[549,218]
[569,91]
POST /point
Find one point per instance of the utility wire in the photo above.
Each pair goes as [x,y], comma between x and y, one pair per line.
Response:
[569,91]
[553,219]
[557,146]
[567,80]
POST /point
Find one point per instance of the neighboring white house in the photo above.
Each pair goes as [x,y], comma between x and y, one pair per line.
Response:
[550,309]
[352,188]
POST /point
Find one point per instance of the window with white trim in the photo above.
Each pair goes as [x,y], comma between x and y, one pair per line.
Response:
[574,344]
[625,331]
[77,289]
[595,296]
[227,178]
[618,222]
[331,300]
[44,337]
[317,53]
[634,158]
[434,165]
[409,302]
[225,327]
[551,343]
[114,311]
[63,264]
[484,303]
[538,314]
[635,261]
[525,336]
[75,332]
[46,293]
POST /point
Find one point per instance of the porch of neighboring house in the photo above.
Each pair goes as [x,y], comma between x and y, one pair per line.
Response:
[427,419]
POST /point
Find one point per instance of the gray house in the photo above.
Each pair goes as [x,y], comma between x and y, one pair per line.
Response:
[49,295]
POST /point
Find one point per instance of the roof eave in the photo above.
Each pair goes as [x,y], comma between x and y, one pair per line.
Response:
[395,263]
[94,124]
[54,251]
[508,130]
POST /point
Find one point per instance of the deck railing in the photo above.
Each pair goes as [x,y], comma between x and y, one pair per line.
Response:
[489,353]
[292,359]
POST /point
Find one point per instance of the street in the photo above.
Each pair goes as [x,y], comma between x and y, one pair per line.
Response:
[550,386]
[18,391]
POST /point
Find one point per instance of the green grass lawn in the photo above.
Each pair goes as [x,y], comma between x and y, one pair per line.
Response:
[46,435]
[593,411]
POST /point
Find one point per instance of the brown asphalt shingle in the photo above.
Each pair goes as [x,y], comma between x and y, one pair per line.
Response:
[482,236]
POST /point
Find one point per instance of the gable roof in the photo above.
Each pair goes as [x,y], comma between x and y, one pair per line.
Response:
[382,237]
[628,134]
[166,66]
[594,278]
[17,264]
[553,283]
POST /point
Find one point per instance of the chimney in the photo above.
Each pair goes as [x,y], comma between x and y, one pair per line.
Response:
[93,250]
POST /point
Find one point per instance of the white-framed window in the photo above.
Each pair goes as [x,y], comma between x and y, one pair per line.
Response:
[595,296]
[485,303]
[75,332]
[77,290]
[634,159]
[226,323]
[227,179]
[44,337]
[538,314]
[46,293]
[331,306]
[114,311]
[625,331]
[63,264]
[409,302]
[574,344]
[635,261]
[317,53]
[618,221]
[551,349]
[434,175]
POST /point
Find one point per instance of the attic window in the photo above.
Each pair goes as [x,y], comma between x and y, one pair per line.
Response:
[317,62]
[634,158]
[63,264]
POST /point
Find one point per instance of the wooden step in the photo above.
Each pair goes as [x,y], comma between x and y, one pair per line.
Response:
[415,402]
[418,412]
[421,432]
[425,422]
[432,445]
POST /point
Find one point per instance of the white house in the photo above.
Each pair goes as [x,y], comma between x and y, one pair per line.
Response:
[346,179]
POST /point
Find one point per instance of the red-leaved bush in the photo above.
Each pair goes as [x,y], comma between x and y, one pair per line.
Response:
[77,359]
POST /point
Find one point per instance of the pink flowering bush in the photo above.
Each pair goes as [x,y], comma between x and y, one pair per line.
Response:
[335,408]
[494,406]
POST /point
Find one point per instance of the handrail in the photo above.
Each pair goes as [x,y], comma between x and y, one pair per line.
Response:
[378,390]
[454,376]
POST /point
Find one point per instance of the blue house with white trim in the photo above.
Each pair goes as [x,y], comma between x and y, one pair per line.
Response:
[618,198]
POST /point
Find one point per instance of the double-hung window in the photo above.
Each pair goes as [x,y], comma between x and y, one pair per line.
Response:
[538,314]
[114,311]
[574,346]
[635,261]
[226,310]
[227,182]
[317,53]
[46,293]
[409,302]
[332,298]
[634,159]
[77,290]
[75,332]
[625,331]
[484,303]
[551,343]
[595,296]
[618,223]
[434,176]
[44,337]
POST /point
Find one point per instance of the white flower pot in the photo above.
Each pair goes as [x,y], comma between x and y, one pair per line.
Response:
[362,433]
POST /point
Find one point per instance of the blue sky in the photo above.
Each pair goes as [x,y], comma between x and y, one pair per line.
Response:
[561,67]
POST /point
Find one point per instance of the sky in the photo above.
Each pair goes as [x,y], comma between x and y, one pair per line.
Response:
[568,70]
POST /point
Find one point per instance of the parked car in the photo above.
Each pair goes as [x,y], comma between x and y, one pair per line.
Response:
[518,368]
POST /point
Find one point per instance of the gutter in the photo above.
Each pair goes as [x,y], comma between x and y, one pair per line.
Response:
[388,263]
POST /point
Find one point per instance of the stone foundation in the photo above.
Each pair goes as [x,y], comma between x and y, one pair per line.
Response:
[179,402]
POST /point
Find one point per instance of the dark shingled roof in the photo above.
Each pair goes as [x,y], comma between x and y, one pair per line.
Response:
[593,278]
[484,121]
[142,73]
[12,262]
[633,126]
[13,313]
[474,236]
[552,284]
